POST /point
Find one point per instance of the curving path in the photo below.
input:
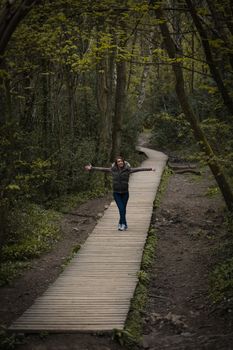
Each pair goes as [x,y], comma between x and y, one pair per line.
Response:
[95,290]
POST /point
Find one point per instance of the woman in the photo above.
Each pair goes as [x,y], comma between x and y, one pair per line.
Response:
[120,171]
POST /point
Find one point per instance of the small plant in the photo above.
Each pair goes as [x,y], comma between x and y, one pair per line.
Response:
[212,191]
[43,334]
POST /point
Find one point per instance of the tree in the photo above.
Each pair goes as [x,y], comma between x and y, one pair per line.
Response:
[174,54]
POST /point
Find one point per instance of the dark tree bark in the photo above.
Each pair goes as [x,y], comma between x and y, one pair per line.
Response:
[191,117]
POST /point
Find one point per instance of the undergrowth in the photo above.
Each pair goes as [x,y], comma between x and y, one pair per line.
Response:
[33,230]
[66,203]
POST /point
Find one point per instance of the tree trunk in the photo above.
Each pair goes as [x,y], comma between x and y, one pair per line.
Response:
[131,63]
[71,106]
[120,102]
[104,97]
[45,115]
[193,120]
[146,51]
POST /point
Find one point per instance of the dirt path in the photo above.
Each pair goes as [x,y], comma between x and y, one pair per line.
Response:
[179,314]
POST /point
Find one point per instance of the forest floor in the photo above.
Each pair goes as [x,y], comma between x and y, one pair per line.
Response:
[179,314]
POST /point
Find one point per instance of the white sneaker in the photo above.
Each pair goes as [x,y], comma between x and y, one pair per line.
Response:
[120,227]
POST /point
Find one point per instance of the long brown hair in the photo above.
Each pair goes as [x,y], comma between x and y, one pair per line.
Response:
[119,157]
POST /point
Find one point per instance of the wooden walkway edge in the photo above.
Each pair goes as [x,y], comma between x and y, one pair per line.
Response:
[95,290]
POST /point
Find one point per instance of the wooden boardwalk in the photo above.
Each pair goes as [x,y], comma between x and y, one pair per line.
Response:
[95,290]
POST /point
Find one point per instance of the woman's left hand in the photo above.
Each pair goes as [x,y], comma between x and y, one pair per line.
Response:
[88,167]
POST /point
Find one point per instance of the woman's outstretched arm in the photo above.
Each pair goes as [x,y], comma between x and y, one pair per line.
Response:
[89,167]
[135,170]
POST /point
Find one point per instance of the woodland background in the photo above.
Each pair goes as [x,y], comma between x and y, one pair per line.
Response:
[80,80]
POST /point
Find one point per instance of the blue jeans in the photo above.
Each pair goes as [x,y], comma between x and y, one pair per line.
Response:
[121,201]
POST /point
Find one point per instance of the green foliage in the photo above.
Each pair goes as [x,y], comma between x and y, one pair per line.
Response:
[170,131]
[212,191]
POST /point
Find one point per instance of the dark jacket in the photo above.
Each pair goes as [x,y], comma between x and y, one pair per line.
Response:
[120,176]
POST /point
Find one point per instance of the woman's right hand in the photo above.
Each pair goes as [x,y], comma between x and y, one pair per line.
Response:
[88,167]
